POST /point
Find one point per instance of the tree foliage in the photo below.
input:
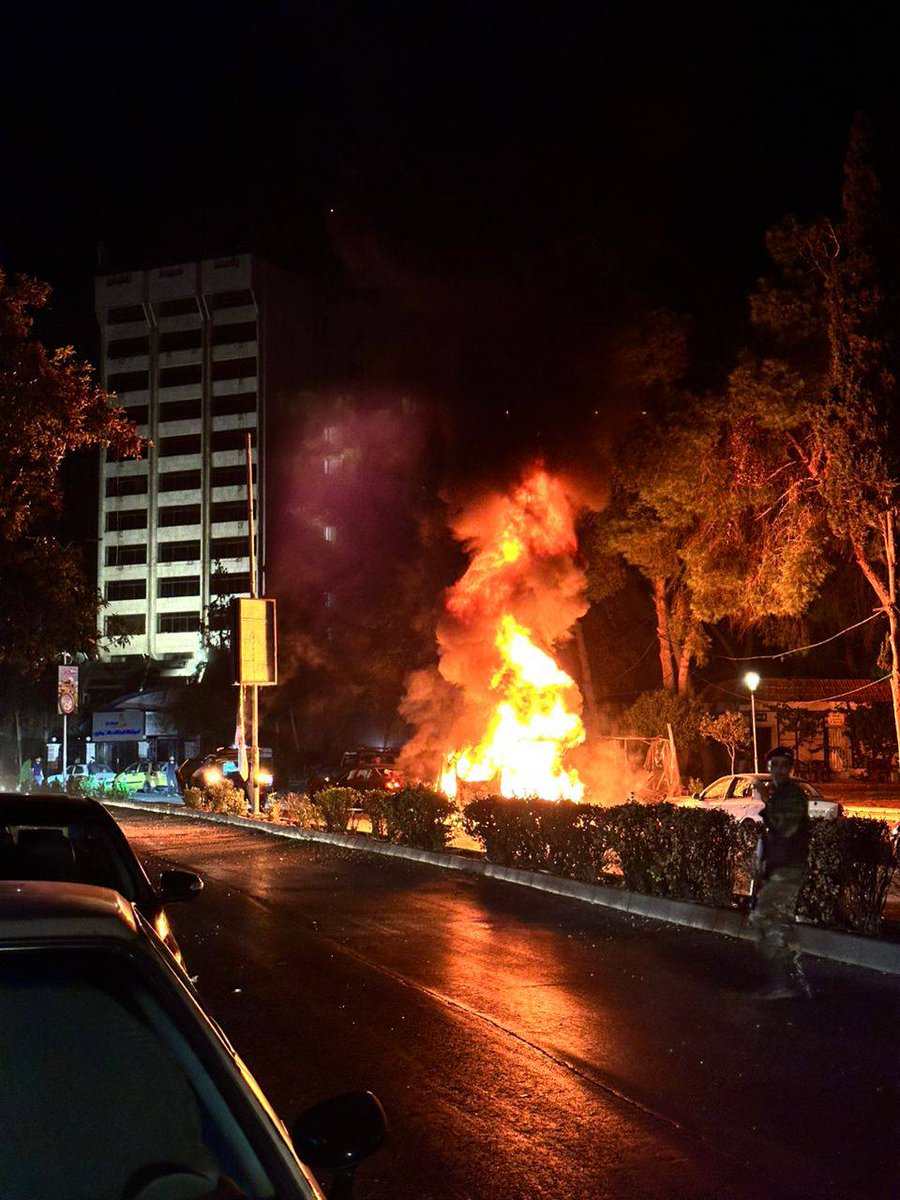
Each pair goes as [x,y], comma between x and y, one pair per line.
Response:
[729,729]
[50,408]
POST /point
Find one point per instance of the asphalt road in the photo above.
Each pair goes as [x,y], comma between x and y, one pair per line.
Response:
[526,1046]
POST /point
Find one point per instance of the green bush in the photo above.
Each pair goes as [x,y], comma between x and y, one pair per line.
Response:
[224,797]
[334,805]
[373,806]
[274,808]
[679,853]
[541,835]
[193,798]
[418,816]
[298,809]
[851,864]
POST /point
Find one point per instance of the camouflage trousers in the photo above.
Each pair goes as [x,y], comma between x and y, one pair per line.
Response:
[773,919]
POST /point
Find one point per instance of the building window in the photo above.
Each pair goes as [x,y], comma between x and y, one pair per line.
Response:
[230,477]
[188,443]
[178,308]
[219,300]
[125,625]
[228,510]
[126,589]
[178,514]
[226,335]
[234,368]
[139,413]
[180,410]
[179,585]
[126,556]
[180,376]
[237,402]
[127,518]
[330,433]
[231,439]
[331,464]
[236,547]
[225,583]
[179,481]
[330,599]
[178,622]
[127,381]
[128,347]
[179,551]
[126,485]
[125,314]
[181,339]
[331,533]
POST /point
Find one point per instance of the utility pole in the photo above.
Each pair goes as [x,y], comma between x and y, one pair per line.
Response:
[254,689]
[65,743]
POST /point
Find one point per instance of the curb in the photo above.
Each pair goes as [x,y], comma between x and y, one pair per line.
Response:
[849,948]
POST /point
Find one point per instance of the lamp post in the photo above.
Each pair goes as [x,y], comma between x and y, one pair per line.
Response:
[752,681]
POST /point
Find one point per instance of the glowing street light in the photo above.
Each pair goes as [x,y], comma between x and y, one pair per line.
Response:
[752,681]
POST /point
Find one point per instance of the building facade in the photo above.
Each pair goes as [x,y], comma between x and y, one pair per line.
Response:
[184,350]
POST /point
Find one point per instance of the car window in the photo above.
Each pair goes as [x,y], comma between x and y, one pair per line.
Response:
[812,793]
[124,1101]
[74,853]
[747,789]
[717,790]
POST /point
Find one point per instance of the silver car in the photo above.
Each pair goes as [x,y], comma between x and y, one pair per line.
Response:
[742,796]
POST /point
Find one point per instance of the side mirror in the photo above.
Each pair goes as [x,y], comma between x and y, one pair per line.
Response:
[339,1134]
[696,796]
[179,885]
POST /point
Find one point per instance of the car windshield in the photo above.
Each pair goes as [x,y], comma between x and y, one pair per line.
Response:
[82,852]
[103,1095]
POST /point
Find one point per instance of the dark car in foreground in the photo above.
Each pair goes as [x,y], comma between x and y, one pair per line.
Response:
[75,840]
[117,1085]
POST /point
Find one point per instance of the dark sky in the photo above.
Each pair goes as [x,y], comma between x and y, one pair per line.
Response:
[507,181]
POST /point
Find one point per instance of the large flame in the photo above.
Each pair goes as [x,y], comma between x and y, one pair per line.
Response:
[520,594]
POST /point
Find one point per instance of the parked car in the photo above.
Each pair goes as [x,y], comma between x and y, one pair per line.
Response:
[139,1093]
[366,769]
[737,794]
[93,772]
[223,764]
[140,777]
[75,840]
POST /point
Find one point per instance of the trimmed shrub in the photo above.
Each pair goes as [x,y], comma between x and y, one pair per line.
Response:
[273,810]
[373,805]
[541,835]
[224,797]
[298,809]
[193,798]
[850,867]
[334,805]
[418,816]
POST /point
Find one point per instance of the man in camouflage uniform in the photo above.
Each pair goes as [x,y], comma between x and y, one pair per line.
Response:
[785,843]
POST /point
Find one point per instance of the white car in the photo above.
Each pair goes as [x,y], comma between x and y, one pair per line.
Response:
[740,795]
[91,771]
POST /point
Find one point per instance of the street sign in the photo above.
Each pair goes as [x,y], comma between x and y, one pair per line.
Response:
[67,690]
[253,642]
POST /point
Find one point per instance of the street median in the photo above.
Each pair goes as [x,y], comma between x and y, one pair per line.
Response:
[836,945]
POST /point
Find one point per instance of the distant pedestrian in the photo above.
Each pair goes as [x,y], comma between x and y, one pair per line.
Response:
[785,843]
[171,773]
[37,771]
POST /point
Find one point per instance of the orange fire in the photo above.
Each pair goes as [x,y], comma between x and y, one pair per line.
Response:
[520,594]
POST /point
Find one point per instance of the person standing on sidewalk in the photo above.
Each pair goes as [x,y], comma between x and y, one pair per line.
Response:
[785,845]
[170,770]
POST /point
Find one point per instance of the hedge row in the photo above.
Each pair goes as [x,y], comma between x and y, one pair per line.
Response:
[687,853]
[665,850]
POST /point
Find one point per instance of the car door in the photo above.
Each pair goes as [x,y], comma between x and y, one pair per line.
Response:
[717,793]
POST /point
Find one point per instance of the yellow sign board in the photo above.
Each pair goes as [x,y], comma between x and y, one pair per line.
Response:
[253,642]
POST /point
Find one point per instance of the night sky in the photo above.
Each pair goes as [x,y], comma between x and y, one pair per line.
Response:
[505,185]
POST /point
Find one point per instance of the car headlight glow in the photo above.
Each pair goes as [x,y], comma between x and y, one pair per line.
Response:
[212,775]
[265,779]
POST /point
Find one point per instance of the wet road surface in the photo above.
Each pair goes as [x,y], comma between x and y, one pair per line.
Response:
[527,1046]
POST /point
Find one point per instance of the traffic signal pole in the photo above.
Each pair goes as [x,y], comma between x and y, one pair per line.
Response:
[254,689]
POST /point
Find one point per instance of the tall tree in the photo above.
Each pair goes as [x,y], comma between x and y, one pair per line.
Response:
[50,407]
[818,399]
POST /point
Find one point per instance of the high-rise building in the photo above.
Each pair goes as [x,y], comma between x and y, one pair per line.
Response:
[186,349]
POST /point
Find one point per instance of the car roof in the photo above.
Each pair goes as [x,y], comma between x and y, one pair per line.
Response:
[37,910]
[17,806]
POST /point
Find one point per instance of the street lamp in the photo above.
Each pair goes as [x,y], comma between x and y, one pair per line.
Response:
[752,681]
